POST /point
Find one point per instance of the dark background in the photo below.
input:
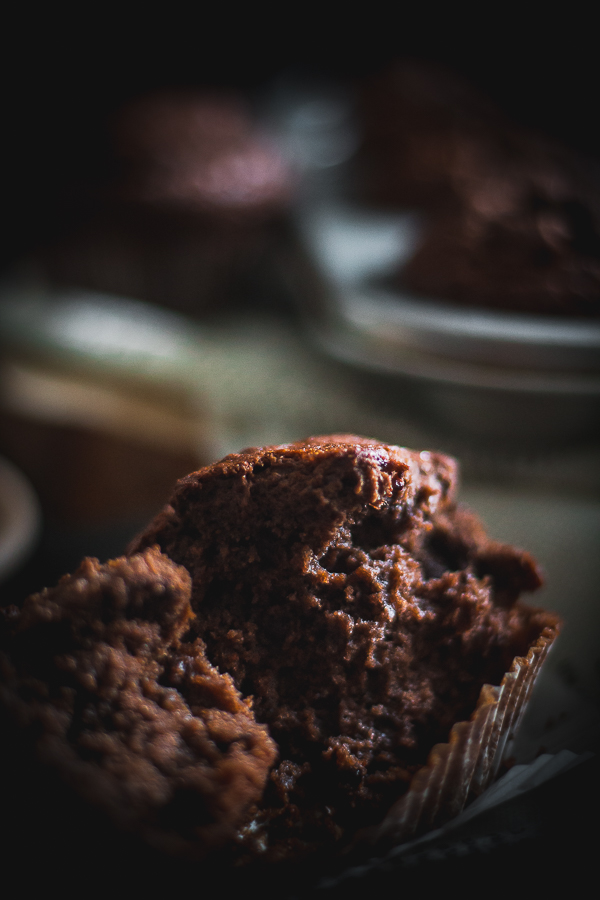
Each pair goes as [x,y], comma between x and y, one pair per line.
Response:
[62,76]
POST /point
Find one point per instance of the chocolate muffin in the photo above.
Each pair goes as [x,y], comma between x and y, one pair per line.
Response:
[522,236]
[196,150]
[190,209]
[341,587]
[344,614]
[512,217]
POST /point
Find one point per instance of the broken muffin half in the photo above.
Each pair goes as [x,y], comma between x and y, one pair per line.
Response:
[275,665]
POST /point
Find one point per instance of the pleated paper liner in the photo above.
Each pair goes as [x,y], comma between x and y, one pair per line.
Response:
[459,771]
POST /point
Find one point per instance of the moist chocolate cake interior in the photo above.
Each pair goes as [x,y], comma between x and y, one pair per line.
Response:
[357,607]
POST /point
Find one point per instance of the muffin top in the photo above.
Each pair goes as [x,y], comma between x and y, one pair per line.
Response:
[199,152]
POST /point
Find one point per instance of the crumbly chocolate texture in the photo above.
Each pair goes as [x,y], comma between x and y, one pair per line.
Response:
[129,716]
[339,585]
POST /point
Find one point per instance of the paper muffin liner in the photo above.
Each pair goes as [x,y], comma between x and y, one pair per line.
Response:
[460,770]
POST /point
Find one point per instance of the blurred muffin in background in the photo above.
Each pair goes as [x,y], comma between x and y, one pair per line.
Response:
[513,219]
[523,237]
[198,152]
[190,211]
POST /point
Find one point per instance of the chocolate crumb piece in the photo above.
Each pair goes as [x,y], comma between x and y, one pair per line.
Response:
[343,590]
[132,718]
